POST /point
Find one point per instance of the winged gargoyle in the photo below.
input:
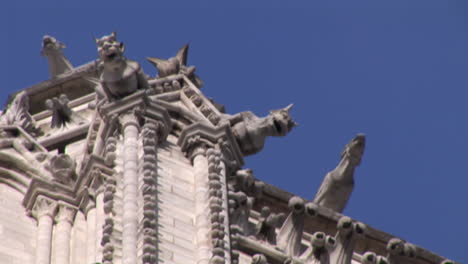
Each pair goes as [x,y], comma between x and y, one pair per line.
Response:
[176,65]
[62,114]
[251,130]
[119,77]
[338,184]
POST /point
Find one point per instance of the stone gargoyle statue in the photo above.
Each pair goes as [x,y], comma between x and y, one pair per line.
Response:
[176,65]
[251,131]
[62,114]
[336,188]
[119,77]
[52,50]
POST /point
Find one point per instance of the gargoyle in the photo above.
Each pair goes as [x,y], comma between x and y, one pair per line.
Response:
[119,77]
[17,113]
[58,63]
[61,112]
[175,65]
[336,188]
[251,131]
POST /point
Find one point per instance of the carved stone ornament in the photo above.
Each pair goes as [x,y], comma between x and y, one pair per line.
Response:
[66,213]
[251,131]
[338,184]
[52,50]
[62,168]
[61,112]
[17,113]
[348,233]
[265,229]
[258,259]
[400,251]
[176,65]
[119,77]
[44,206]
[290,235]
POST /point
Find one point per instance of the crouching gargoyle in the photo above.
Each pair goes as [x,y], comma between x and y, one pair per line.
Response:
[251,130]
[338,184]
[120,77]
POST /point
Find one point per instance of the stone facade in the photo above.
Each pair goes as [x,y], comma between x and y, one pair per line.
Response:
[103,164]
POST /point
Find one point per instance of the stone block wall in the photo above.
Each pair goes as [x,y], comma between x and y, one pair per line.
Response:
[17,230]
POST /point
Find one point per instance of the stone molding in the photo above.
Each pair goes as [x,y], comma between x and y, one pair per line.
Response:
[65,212]
[43,206]
[205,135]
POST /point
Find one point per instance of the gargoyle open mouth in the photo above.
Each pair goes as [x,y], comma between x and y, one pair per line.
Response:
[111,56]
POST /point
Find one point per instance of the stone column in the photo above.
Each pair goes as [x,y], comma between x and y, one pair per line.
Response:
[202,223]
[65,217]
[130,190]
[90,212]
[44,210]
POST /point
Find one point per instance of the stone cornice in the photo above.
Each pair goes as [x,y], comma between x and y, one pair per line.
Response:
[142,106]
[203,134]
[73,193]
[43,206]
[375,240]
[65,212]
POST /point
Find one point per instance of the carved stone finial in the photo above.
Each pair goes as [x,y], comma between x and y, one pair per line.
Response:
[319,251]
[399,250]
[119,77]
[348,233]
[336,188]
[52,49]
[258,259]
[251,131]
[372,258]
[290,234]
[17,113]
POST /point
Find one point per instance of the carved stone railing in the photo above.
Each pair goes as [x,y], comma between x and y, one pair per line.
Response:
[349,241]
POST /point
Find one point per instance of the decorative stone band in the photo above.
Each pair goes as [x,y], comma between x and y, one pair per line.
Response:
[338,249]
[150,134]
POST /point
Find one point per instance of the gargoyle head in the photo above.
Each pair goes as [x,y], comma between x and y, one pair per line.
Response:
[50,44]
[109,49]
[355,149]
[281,121]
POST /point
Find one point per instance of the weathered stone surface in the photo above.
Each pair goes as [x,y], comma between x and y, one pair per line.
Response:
[336,188]
[120,77]
[52,50]
[251,131]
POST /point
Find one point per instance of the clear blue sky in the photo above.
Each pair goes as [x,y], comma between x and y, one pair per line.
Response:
[394,70]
